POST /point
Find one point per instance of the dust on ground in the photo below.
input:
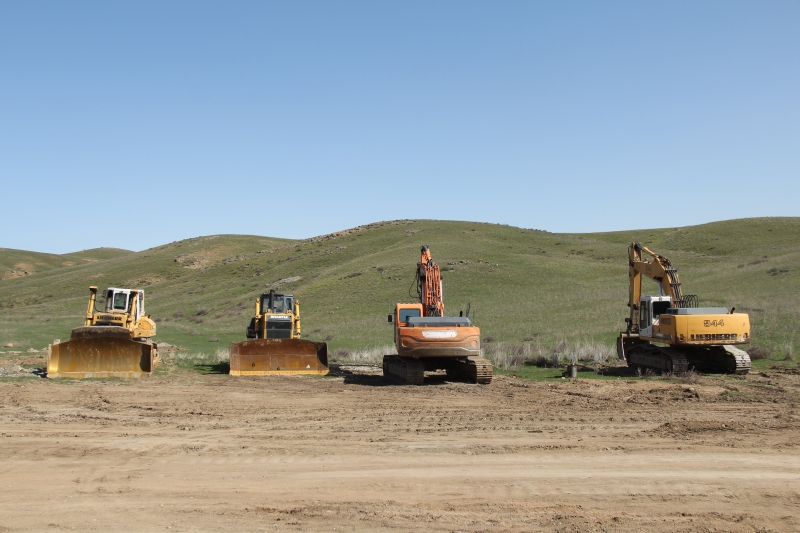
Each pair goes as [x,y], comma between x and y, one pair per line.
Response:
[190,452]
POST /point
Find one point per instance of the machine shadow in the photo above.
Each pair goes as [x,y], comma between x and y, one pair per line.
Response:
[377,380]
[223,367]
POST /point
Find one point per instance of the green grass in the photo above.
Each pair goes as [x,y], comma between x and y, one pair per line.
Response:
[535,373]
[520,282]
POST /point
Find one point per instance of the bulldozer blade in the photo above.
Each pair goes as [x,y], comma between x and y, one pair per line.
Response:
[101,352]
[261,357]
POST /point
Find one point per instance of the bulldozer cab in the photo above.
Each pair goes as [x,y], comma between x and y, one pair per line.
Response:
[650,309]
[124,301]
[273,303]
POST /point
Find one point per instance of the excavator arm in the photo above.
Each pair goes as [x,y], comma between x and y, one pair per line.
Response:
[660,270]
[429,285]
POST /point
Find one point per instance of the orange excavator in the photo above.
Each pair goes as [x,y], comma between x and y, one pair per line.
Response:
[426,339]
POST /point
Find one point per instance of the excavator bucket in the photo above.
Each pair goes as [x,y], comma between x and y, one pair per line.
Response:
[260,357]
[101,352]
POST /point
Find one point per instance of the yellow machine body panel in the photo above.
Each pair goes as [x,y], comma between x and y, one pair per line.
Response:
[701,330]
[114,342]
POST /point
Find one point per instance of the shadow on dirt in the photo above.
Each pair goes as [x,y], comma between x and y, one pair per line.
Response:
[223,367]
[372,376]
[616,371]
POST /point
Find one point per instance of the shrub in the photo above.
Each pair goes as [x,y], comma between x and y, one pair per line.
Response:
[690,377]
[328,337]
[364,356]
[213,339]
[201,311]
[757,352]
[488,339]
[788,352]
[178,314]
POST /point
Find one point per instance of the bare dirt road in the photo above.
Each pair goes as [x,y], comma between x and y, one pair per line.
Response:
[186,452]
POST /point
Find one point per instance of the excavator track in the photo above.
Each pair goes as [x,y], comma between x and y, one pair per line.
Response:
[658,358]
[471,369]
[741,360]
[724,359]
[406,370]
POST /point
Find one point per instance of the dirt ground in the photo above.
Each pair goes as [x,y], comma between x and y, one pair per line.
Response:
[188,452]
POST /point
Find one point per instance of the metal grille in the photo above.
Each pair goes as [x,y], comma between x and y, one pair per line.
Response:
[715,337]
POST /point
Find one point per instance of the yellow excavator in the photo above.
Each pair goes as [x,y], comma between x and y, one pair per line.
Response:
[426,339]
[113,342]
[670,332]
[275,346]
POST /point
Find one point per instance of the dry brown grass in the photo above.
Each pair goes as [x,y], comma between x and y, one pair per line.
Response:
[509,356]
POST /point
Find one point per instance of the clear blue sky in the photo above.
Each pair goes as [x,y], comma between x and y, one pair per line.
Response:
[140,123]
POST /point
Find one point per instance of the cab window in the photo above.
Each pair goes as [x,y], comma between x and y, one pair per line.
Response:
[644,315]
[405,313]
[120,301]
[659,308]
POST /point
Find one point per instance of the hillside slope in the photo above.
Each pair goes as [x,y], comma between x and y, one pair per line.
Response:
[522,283]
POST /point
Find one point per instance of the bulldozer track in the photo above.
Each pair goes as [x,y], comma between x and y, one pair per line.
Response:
[406,370]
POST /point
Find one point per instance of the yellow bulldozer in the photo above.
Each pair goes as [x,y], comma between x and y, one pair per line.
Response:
[275,346]
[113,342]
[669,332]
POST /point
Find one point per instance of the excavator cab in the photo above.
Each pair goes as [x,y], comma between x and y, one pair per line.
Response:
[650,310]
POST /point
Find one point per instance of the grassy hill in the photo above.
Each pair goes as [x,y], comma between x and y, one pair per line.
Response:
[19,263]
[522,283]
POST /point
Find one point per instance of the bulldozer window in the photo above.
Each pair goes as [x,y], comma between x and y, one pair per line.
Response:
[121,301]
[405,313]
[280,304]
